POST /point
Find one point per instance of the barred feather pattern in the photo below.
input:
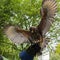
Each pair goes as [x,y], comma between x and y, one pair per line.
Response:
[15,37]
[48,11]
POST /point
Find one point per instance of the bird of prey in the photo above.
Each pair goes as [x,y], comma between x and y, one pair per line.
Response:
[35,34]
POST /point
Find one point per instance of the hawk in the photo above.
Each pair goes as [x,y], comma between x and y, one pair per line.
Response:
[35,34]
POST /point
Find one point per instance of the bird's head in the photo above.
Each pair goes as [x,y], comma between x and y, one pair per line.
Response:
[35,35]
[33,30]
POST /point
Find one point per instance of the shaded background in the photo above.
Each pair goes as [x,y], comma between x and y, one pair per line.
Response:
[26,13]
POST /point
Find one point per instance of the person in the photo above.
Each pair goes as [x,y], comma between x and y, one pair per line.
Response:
[30,52]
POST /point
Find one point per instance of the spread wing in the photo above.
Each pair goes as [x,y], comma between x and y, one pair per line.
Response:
[48,10]
[17,35]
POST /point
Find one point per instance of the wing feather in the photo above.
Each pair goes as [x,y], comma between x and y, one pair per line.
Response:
[48,10]
[17,35]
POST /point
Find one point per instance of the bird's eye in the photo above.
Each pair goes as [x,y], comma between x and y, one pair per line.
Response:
[31,30]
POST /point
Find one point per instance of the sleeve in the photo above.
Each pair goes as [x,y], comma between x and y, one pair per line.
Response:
[30,52]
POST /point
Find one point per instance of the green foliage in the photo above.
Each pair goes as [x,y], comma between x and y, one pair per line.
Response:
[56,54]
[55,57]
[24,13]
[57,49]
